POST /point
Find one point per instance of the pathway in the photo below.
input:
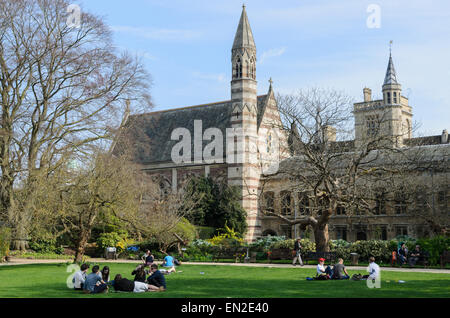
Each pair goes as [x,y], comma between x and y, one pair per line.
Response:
[24,261]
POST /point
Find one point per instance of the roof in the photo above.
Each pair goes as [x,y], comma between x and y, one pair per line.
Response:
[150,133]
[391,76]
[244,35]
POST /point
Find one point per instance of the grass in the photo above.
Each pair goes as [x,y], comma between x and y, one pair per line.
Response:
[49,280]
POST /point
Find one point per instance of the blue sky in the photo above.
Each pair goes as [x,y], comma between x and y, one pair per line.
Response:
[186,46]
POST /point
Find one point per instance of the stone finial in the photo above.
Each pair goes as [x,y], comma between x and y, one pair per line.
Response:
[444,137]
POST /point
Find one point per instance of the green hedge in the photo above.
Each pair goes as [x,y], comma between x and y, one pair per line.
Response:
[200,250]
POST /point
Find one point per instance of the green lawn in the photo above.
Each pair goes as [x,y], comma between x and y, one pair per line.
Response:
[49,280]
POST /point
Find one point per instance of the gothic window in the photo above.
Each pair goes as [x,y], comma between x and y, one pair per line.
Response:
[286,230]
[341,233]
[248,68]
[269,201]
[388,97]
[238,68]
[395,97]
[400,203]
[286,204]
[380,203]
[269,142]
[401,230]
[303,203]
[372,125]
[340,210]
[381,232]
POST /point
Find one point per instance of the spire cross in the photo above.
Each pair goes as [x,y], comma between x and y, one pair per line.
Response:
[270,81]
[390,46]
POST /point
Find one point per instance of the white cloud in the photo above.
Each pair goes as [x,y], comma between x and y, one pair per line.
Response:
[272,53]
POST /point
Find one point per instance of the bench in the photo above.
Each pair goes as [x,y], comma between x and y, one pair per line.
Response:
[445,258]
[329,256]
[280,253]
[235,253]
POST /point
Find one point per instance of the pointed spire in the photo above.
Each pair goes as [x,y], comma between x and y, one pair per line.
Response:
[391,76]
[244,35]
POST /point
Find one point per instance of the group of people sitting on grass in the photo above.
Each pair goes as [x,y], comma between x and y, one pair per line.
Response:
[147,277]
[340,272]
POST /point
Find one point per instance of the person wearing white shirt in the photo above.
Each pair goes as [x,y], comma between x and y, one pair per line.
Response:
[320,267]
[373,269]
[80,277]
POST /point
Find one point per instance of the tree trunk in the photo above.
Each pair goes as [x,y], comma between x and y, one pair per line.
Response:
[322,238]
[81,246]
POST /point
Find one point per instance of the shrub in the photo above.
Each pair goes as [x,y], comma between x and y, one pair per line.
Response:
[435,247]
[118,240]
[264,243]
[45,246]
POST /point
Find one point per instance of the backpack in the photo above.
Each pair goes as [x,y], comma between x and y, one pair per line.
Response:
[356,277]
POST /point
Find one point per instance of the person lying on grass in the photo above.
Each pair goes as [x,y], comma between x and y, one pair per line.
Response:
[156,278]
[126,285]
[94,284]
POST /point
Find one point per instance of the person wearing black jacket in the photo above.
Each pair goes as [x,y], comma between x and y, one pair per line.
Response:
[156,279]
[139,274]
[123,284]
[298,250]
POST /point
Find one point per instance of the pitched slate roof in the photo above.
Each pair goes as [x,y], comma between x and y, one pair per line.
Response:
[391,76]
[150,133]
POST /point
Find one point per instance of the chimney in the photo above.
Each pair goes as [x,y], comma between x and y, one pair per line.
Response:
[367,94]
[444,137]
[329,133]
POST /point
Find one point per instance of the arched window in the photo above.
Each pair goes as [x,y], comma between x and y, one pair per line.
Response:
[286,206]
[248,68]
[388,97]
[269,201]
[303,203]
[238,68]
[395,97]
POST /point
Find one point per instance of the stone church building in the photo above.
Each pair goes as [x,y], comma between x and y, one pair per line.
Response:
[246,122]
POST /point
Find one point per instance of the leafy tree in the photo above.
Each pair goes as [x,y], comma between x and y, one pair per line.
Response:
[219,205]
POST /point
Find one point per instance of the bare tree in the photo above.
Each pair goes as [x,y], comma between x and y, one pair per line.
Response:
[61,87]
[328,168]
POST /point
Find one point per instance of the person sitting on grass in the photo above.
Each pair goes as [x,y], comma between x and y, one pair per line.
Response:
[169,262]
[126,285]
[94,284]
[140,273]
[323,273]
[373,269]
[148,258]
[339,271]
[156,279]
[80,277]
[105,274]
